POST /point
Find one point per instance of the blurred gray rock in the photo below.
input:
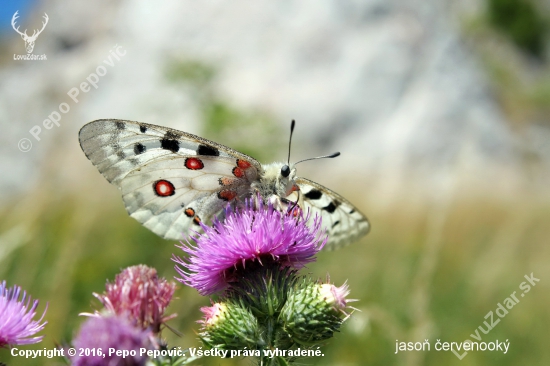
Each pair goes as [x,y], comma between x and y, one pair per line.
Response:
[388,83]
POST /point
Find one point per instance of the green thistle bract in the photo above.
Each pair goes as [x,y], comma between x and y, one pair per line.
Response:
[313,312]
[229,325]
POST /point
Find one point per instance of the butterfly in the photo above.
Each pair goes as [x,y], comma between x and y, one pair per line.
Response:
[171,181]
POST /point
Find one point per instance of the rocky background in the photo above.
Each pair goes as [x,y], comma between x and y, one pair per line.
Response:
[400,87]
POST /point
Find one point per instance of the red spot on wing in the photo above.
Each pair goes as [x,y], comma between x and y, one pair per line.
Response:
[238,172]
[194,163]
[189,212]
[164,188]
[243,164]
[227,194]
[197,220]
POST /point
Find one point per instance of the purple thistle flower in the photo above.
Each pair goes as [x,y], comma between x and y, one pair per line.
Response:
[248,237]
[141,295]
[16,319]
[108,332]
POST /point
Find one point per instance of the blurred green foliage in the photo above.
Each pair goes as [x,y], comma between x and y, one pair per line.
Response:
[521,22]
[423,272]
[512,40]
[523,102]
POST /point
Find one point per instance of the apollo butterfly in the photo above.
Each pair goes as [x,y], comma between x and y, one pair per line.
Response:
[171,181]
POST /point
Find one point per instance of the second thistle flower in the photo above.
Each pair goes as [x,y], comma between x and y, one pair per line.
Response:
[141,295]
[17,323]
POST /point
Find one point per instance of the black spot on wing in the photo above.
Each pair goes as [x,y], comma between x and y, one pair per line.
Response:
[331,207]
[170,142]
[120,125]
[172,145]
[142,128]
[314,194]
[335,223]
[139,148]
[352,211]
[207,150]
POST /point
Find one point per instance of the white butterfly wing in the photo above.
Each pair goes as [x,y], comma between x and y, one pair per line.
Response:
[343,222]
[170,180]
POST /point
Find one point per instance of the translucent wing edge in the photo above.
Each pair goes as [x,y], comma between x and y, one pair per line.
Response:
[363,224]
[112,128]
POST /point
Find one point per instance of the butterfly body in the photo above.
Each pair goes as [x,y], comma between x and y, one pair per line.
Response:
[171,181]
[272,185]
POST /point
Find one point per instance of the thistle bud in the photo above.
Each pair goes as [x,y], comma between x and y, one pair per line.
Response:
[229,325]
[264,291]
[314,311]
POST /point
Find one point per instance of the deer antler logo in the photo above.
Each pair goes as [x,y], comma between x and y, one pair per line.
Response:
[29,41]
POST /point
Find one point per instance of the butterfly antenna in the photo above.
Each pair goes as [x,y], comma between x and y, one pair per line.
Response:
[292,124]
[333,155]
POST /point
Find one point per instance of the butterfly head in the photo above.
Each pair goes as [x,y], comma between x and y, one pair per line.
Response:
[287,181]
[278,179]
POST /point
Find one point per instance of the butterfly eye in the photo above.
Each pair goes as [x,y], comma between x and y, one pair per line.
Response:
[285,171]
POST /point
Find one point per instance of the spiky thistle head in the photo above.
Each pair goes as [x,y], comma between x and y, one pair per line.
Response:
[249,237]
[17,324]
